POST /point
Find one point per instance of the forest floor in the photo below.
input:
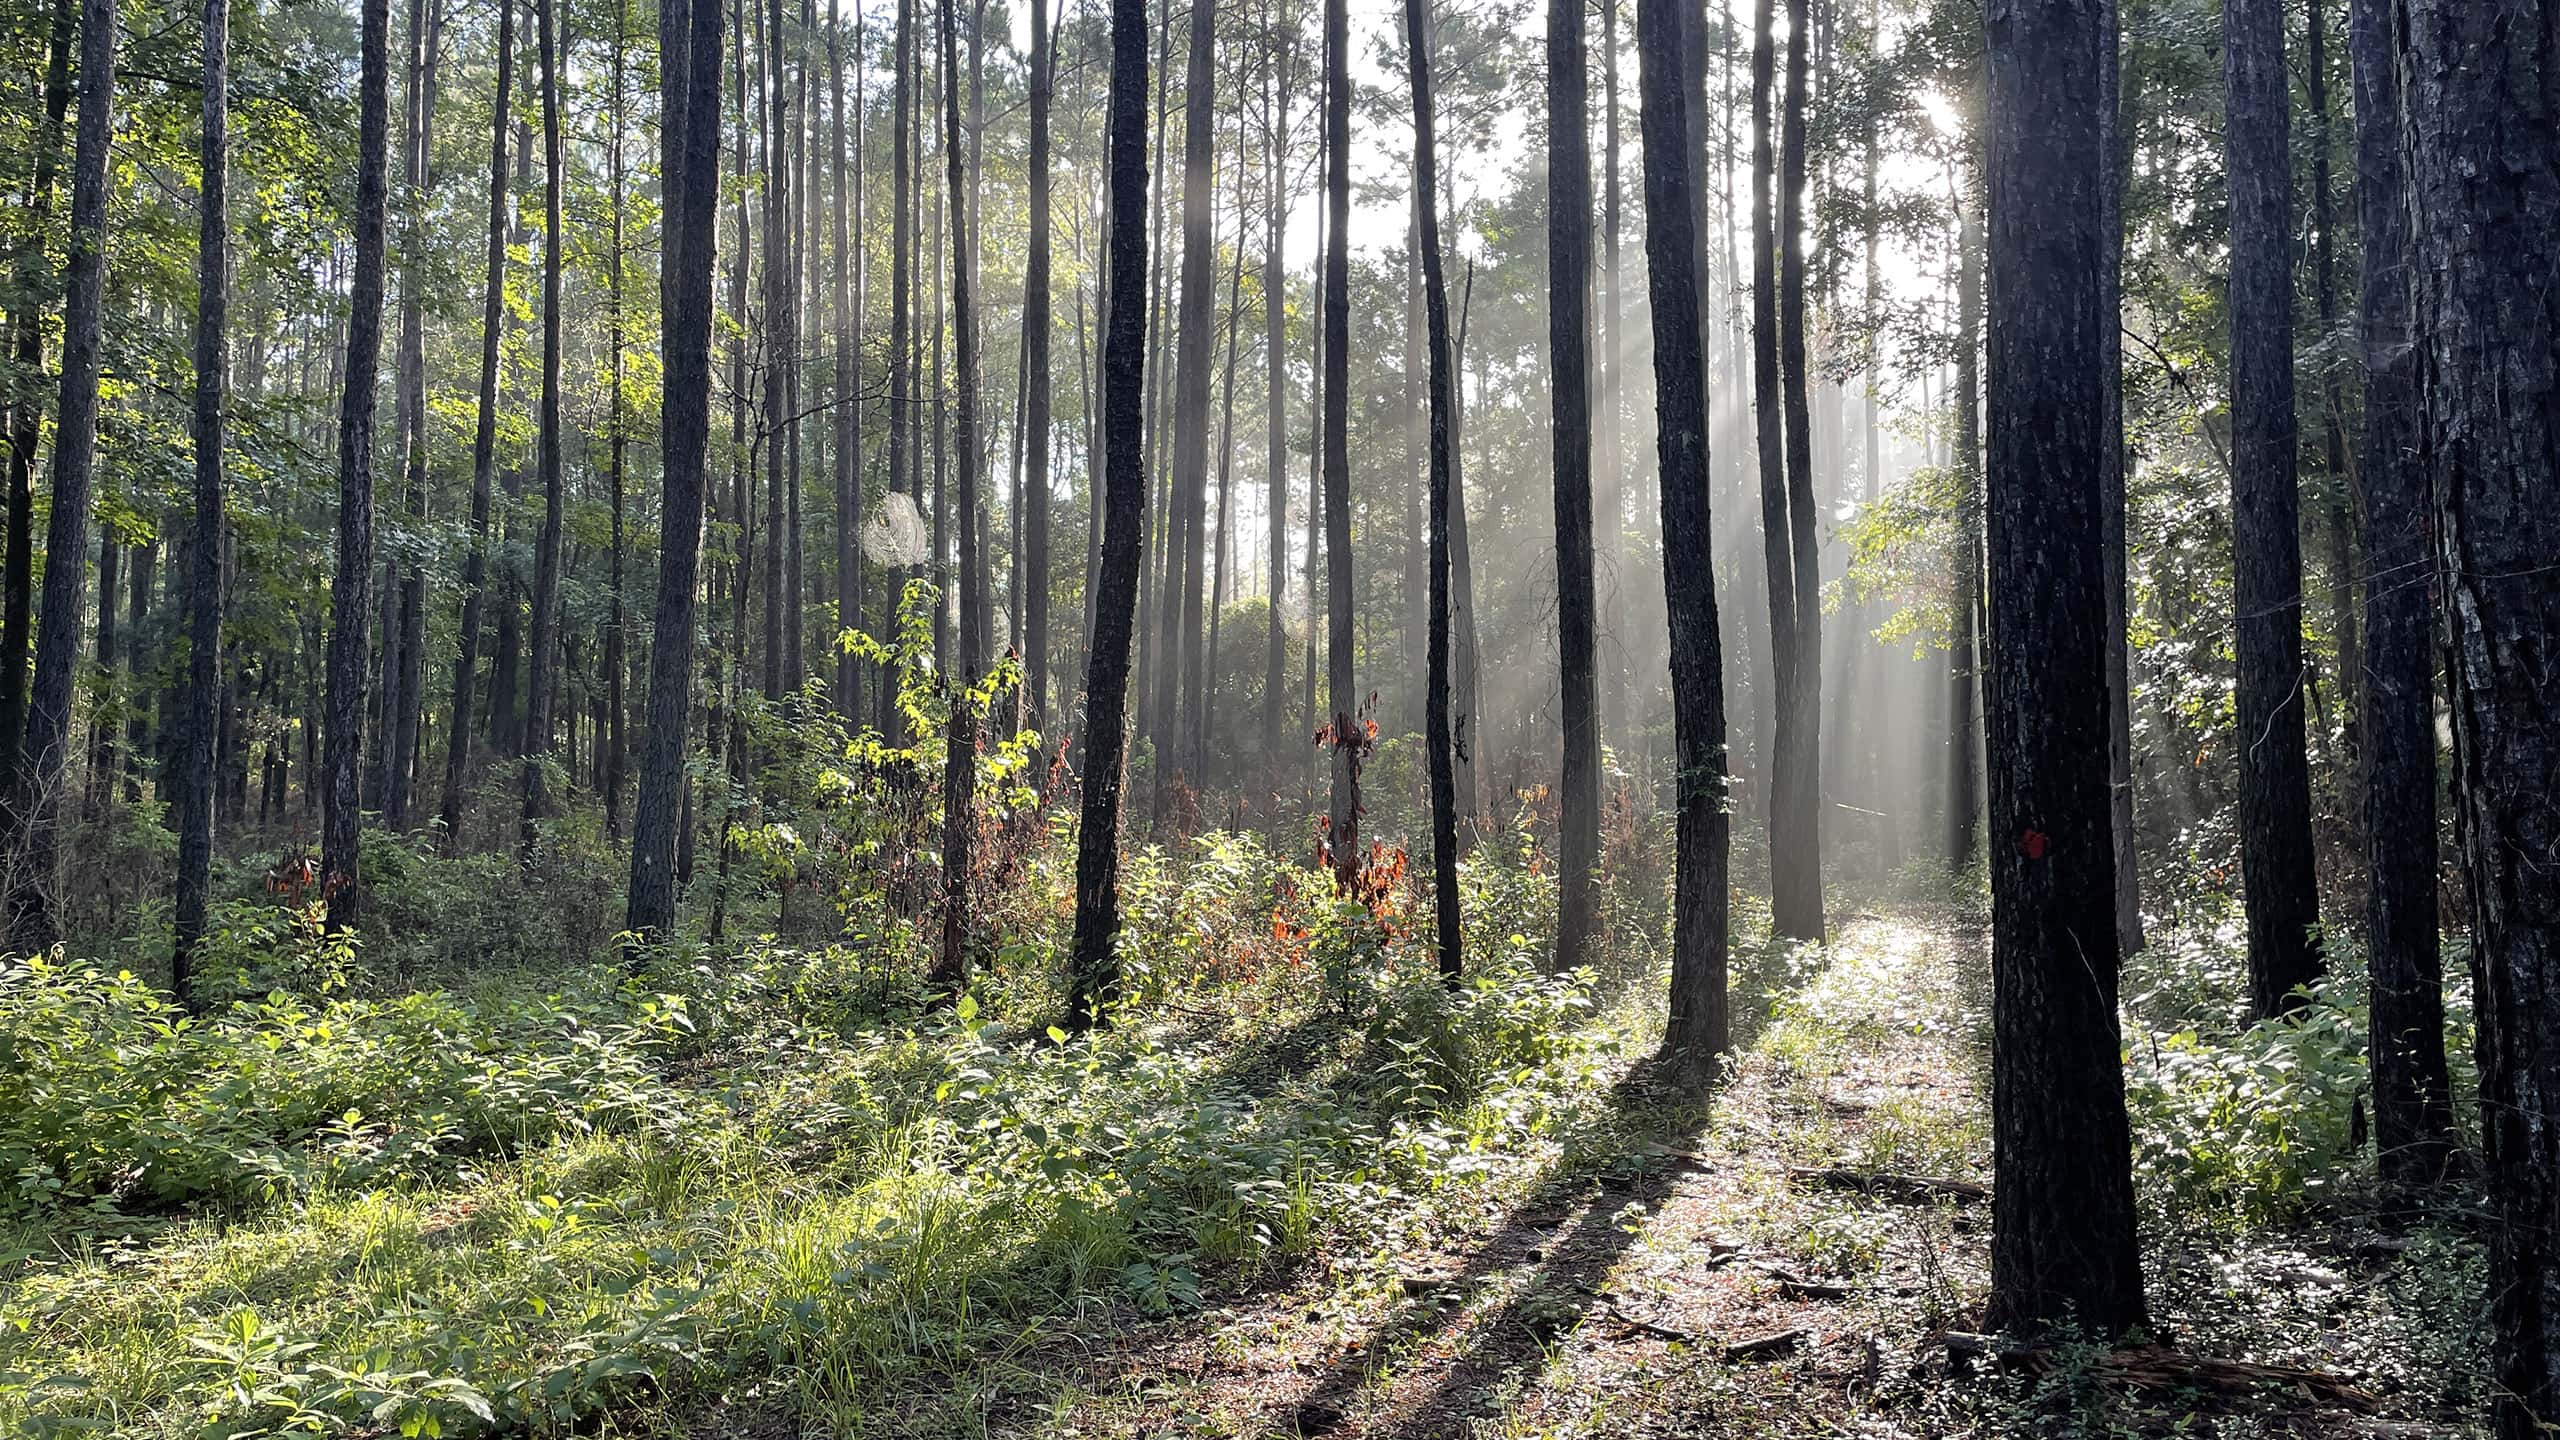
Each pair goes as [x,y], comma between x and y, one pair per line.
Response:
[766,1197]
[1787,1262]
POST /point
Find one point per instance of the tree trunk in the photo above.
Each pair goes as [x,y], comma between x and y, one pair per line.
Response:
[1032,573]
[960,760]
[484,435]
[1769,437]
[2482,130]
[2413,1127]
[542,669]
[2283,899]
[689,141]
[192,790]
[341,814]
[2117,148]
[1195,337]
[1698,1033]
[1094,969]
[26,413]
[1435,298]
[1569,368]
[2062,1247]
[1350,732]
[1275,660]
[1964,655]
[616,635]
[1795,837]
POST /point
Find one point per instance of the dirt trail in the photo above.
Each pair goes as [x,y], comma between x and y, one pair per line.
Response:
[1736,1276]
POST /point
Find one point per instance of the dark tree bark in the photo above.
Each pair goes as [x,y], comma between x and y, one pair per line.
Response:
[2062,1248]
[543,666]
[2483,126]
[960,757]
[1697,1035]
[1964,654]
[1768,411]
[2336,486]
[1569,367]
[1275,662]
[1033,577]
[1094,967]
[44,750]
[902,345]
[2413,1127]
[1795,833]
[1195,360]
[2117,147]
[404,671]
[26,413]
[1350,736]
[1608,442]
[342,744]
[484,440]
[2283,899]
[612,741]
[849,297]
[689,89]
[192,790]
[781,337]
[1435,300]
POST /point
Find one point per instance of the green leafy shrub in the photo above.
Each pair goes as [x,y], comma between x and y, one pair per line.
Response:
[113,1097]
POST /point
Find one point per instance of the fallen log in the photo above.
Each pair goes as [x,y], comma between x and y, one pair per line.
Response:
[2157,1367]
[1917,1189]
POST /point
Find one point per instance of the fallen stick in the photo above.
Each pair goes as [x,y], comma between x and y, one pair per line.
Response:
[1916,1188]
[1763,1347]
[2154,1366]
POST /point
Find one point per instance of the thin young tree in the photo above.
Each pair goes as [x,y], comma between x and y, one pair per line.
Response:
[1195,339]
[342,740]
[1275,101]
[1435,302]
[960,755]
[543,667]
[1349,726]
[1033,578]
[2481,133]
[404,588]
[1569,382]
[1094,968]
[2062,1243]
[1696,1038]
[484,442]
[194,787]
[613,741]
[1795,832]
[689,149]
[44,749]
[2413,1126]
[2280,892]
[25,412]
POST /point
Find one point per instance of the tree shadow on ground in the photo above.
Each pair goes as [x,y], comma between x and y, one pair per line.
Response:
[1569,1229]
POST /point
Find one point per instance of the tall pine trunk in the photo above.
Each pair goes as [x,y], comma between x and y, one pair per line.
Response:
[1032,572]
[1795,834]
[1435,299]
[2413,1127]
[1094,968]
[543,665]
[960,756]
[689,149]
[26,413]
[193,788]
[1349,725]
[1698,1032]
[2282,897]
[484,439]
[342,743]
[1195,337]
[1569,369]
[2062,1243]
[1275,660]
[2481,133]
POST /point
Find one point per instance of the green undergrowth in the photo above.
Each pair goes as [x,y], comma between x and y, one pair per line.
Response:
[591,1195]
